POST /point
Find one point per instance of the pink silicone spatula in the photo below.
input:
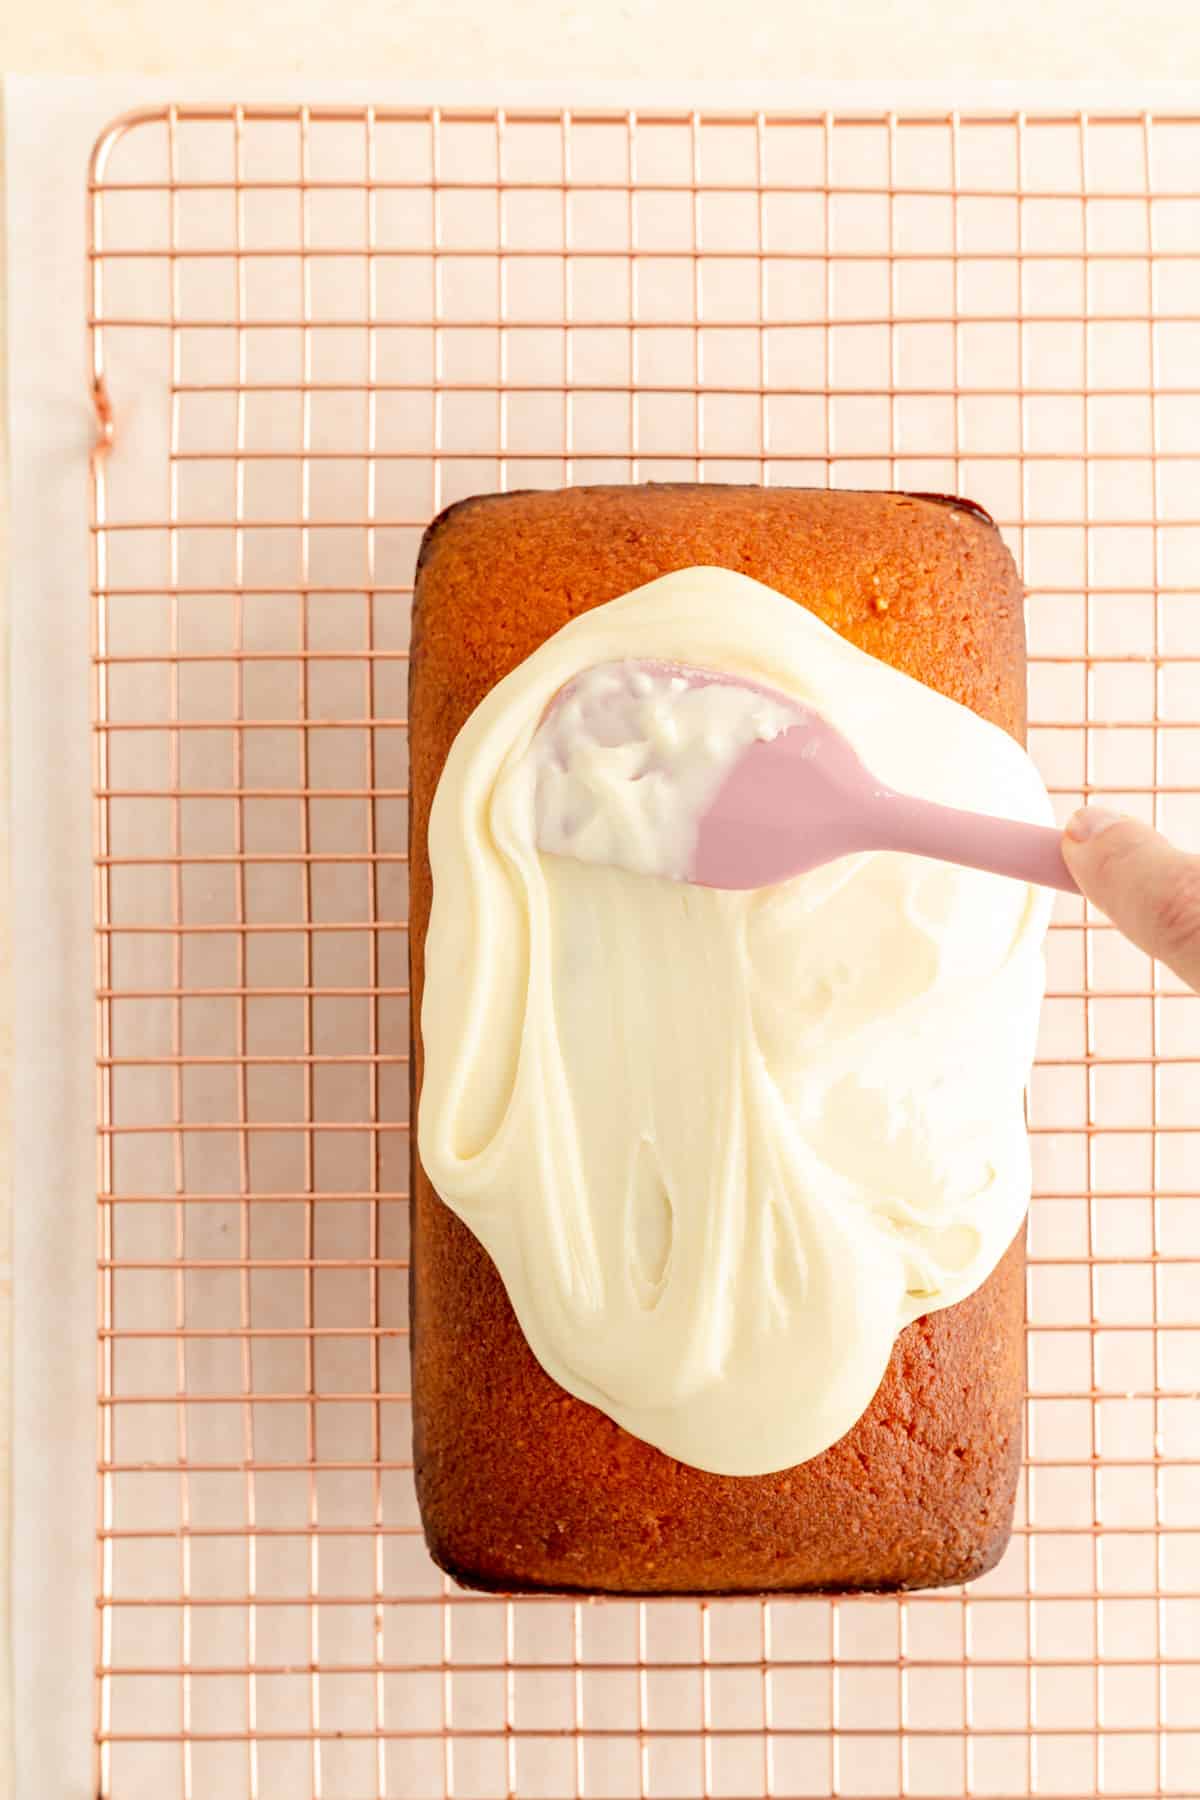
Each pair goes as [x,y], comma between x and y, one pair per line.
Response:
[804,798]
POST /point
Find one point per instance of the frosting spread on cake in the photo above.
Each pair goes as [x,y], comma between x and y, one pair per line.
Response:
[723,1147]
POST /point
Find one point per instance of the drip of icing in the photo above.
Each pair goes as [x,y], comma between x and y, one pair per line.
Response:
[723,1147]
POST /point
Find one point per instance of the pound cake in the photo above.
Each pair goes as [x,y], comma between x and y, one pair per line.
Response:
[523,1486]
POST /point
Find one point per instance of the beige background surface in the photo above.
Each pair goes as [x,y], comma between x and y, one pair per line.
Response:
[663,39]
[672,42]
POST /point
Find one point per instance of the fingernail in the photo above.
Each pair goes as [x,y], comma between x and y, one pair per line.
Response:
[1089,822]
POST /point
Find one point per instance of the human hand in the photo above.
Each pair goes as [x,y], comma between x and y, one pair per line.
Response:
[1149,889]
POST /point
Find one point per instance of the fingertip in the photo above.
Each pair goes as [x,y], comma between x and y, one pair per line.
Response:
[1089,822]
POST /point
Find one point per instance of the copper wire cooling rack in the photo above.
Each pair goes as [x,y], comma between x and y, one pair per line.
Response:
[310,330]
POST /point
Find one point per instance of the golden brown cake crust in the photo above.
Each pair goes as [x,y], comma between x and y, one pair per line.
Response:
[520,1485]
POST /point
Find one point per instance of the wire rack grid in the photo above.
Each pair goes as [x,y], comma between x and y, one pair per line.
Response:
[310,330]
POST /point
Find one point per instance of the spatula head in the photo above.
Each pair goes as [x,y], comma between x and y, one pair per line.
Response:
[696,775]
[786,807]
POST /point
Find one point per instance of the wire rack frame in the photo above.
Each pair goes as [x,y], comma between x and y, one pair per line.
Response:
[311,328]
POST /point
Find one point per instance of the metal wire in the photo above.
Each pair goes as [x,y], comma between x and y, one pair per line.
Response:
[310,329]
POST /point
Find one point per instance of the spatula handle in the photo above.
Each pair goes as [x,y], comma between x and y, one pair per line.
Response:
[977,840]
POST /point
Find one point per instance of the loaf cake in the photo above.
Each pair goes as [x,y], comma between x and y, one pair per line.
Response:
[521,1485]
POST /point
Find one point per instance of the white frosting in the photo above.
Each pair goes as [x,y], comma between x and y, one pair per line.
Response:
[722,1147]
[629,759]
